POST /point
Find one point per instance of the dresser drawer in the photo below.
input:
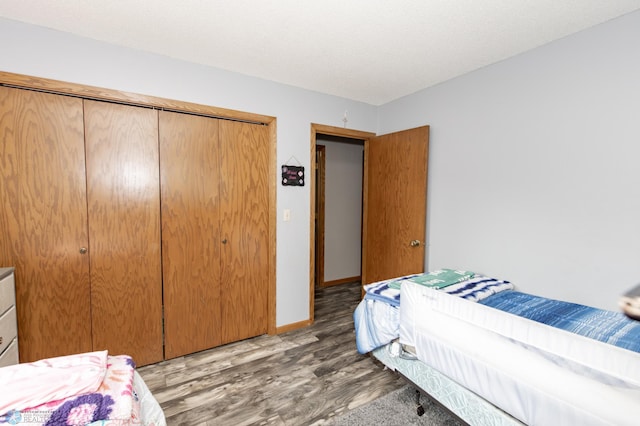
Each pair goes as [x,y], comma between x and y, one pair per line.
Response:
[7,293]
[8,329]
[10,356]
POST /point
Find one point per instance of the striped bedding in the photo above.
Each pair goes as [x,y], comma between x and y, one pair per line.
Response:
[605,326]
[475,289]
[385,291]
[377,319]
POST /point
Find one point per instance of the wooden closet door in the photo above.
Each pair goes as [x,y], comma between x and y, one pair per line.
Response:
[43,220]
[244,202]
[123,198]
[189,182]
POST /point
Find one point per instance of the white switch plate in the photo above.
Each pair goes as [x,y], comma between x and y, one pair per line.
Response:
[286,215]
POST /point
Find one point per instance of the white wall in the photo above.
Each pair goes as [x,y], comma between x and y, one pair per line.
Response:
[40,52]
[534,172]
[343,209]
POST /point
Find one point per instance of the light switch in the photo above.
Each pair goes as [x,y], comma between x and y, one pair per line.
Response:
[286,215]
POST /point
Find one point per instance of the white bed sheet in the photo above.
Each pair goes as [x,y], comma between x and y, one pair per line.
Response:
[150,412]
[538,374]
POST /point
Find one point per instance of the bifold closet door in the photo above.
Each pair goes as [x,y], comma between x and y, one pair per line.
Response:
[123,199]
[189,176]
[43,220]
[244,221]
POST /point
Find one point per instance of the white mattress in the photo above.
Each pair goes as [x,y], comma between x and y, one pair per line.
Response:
[538,374]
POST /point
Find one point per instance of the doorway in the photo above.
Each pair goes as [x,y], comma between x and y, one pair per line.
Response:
[338,223]
[393,233]
[321,137]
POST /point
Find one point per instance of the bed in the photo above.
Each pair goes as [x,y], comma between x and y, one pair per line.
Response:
[493,355]
[92,388]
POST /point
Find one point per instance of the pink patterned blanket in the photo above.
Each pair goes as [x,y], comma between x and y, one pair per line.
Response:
[113,402]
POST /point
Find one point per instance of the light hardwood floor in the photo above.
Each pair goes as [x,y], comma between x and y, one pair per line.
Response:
[302,377]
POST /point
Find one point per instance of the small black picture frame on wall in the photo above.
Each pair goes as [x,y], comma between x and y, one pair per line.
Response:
[292,175]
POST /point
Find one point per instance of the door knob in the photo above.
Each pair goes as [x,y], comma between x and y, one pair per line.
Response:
[83,250]
[224,241]
[415,243]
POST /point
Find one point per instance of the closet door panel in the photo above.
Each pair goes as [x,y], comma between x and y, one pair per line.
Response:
[43,220]
[124,229]
[244,225]
[189,176]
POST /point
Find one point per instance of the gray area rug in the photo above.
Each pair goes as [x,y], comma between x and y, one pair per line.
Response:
[395,409]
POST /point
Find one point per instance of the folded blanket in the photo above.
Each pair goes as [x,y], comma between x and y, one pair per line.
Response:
[478,288]
[437,279]
[28,385]
[377,319]
[112,402]
[387,291]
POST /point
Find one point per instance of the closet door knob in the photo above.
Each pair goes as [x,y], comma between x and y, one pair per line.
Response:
[224,241]
[83,250]
[415,243]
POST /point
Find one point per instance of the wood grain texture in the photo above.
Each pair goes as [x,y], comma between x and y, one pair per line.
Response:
[273,180]
[302,377]
[124,229]
[244,214]
[118,96]
[395,204]
[189,176]
[340,131]
[96,93]
[43,220]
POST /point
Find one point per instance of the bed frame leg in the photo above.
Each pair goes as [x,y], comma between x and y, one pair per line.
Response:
[419,408]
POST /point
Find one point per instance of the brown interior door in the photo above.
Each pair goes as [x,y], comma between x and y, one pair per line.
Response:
[189,176]
[43,220]
[123,198]
[244,221]
[395,206]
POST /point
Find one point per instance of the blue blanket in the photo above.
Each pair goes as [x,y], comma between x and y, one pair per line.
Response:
[605,326]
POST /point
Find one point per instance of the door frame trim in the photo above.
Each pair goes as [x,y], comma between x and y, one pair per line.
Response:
[331,131]
[320,164]
[58,87]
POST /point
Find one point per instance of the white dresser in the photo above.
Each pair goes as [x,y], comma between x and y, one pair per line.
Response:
[8,323]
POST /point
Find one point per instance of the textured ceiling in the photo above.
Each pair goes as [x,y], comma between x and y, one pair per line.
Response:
[372,51]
